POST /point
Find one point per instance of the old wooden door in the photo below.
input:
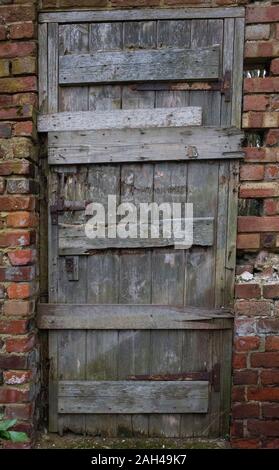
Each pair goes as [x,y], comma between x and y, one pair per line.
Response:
[145,105]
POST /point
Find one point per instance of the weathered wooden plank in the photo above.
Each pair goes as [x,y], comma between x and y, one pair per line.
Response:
[132,397]
[73,39]
[52,68]
[231,232]
[73,239]
[43,67]
[228,53]
[120,119]
[129,317]
[137,145]
[140,66]
[239,34]
[139,14]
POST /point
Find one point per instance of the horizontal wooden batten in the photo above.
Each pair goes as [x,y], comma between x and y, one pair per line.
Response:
[140,66]
[85,16]
[131,317]
[132,397]
[121,119]
[72,239]
[139,145]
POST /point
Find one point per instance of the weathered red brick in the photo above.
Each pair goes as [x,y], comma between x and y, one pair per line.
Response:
[263,394]
[248,241]
[19,291]
[16,113]
[246,410]
[257,32]
[9,361]
[25,128]
[272,137]
[252,172]
[259,190]
[245,326]
[19,411]
[262,154]
[15,203]
[16,168]
[262,14]
[271,291]
[18,308]
[20,345]
[247,291]
[245,377]
[261,85]
[18,84]
[237,428]
[21,257]
[261,49]
[270,411]
[270,377]
[252,307]
[258,120]
[12,13]
[14,327]
[16,377]
[258,224]
[268,325]
[24,65]
[263,427]
[23,30]
[247,343]
[15,238]
[238,393]
[22,219]
[271,207]
[17,49]
[272,343]
[265,359]
[245,443]
[255,102]
[239,361]
[10,395]
[16,273]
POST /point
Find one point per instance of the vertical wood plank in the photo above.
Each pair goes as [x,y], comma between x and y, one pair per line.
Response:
[53,381]
[52,67]
[231,233]
[221,234]
[73,38]
[196,356]
[239,31]
[227,66]
[43,67]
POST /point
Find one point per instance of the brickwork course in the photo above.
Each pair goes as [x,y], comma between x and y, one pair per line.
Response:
[255,392]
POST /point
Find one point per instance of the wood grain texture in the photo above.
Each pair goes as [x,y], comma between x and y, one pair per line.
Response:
[139,145]
[125,317]
[122,119]
[132,397]
[140,66]
[73,239]
[140,14]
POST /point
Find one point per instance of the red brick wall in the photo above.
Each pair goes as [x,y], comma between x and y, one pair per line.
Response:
[18,212]
[255,408]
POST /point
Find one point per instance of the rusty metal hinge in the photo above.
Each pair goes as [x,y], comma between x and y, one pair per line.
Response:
[226,86]
[55,209]
[62,205]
